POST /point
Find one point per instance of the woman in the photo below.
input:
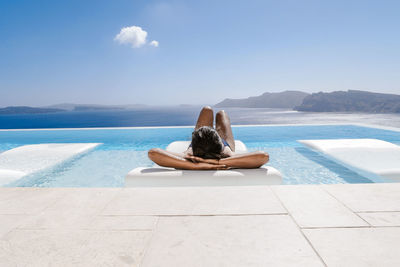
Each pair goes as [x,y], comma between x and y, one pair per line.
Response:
[211,149]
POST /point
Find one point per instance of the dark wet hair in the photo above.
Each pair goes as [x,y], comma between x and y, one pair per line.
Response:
[207,143]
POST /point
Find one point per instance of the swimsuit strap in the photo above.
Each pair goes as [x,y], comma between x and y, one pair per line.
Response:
[225,143]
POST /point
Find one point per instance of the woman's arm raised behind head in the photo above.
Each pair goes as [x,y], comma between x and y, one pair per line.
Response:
[167,159]
[246,161]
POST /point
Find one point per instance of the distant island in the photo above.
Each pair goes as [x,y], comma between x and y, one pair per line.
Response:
[62,108]
[286,99]
[27,110]
[92,107]
[351,101]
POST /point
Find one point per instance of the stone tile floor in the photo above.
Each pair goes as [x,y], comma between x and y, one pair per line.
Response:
[305,225]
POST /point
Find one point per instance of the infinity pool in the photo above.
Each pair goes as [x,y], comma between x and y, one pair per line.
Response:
[125,149]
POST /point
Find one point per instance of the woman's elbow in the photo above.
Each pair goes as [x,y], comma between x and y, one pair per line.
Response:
[263,158]
[153,153]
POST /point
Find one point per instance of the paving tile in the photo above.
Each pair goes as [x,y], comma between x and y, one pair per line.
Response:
[41,248]
[115,248]
[356,246]
[61,219]
[76,209]
[73,248]
[236,200]
[88,200]
[263,240]
[30,200]
[195,201]
[10,222]
[310,206]
[123,223]
[10,192]
[150,201]
[381,218]
[367,197]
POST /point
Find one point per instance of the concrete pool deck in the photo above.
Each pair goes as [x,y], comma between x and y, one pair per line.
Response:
[301,225]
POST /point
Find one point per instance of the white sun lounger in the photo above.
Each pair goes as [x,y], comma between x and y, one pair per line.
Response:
[24,160]
[372,158]
[160,176]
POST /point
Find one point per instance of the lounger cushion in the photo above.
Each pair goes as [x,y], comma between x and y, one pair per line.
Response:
[160,176]
[141,176]
[8,176]
[24,160]
[372,158]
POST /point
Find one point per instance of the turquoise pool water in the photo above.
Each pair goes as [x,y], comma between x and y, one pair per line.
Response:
[125,149]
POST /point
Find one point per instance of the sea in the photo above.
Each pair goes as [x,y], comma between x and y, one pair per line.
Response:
[185,116]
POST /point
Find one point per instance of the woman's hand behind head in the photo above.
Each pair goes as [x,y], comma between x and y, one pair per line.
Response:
[201,160]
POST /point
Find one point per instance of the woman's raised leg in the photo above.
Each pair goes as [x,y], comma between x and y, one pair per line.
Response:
[206,118]
[224,129]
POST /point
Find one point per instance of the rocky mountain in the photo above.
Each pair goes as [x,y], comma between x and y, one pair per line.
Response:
[286,99]
[351,101]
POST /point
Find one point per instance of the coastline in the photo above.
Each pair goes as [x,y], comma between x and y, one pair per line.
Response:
[382,127]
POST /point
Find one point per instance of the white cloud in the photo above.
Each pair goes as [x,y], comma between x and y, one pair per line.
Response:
[135,36]
[154,43]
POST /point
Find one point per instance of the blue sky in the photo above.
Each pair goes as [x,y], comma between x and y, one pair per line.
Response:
[67,51]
